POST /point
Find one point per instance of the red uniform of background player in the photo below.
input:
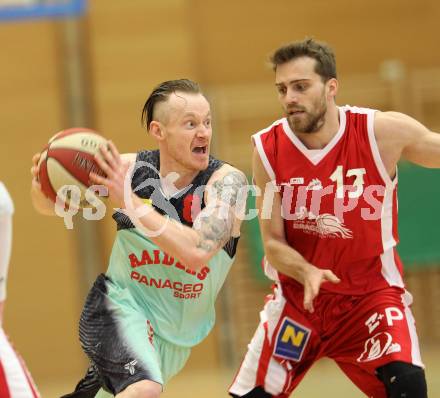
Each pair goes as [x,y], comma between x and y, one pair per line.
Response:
[331,235]
[15,379]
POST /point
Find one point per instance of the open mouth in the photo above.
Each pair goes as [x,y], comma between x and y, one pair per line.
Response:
[200,149]
[295,113]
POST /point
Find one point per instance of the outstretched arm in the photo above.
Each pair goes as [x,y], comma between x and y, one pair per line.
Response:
[412,139]
[212,228]
[279,253]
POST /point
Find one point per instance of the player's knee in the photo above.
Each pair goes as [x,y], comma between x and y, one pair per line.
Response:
[403,379]
[141,389]
[257,392]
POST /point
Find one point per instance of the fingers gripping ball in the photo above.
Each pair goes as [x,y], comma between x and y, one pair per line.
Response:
[66,161]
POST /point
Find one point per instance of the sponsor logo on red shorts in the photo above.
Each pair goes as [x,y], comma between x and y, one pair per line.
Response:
[291,340]
[381,343]
[377,346]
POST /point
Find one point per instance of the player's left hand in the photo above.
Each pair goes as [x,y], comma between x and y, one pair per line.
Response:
[109,160]
[312,282]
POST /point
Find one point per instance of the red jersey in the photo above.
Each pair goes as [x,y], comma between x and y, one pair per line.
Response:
[338,203]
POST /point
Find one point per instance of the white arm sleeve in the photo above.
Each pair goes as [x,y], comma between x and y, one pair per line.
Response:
[6,211]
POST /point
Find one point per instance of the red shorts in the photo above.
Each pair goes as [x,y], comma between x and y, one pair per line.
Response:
[361,333]
[15,379]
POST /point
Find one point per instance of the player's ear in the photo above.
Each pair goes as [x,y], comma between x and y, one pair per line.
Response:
[331,88]
[156,130]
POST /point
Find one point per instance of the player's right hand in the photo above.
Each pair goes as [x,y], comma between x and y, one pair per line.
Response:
[36,186]
[34,168]
[41,203]
[313,279]
[115,168]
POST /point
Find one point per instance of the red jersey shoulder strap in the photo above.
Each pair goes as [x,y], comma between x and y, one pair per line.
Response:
[264,142]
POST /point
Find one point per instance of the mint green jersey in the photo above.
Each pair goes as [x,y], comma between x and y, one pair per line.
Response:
[141,319]
[178,301]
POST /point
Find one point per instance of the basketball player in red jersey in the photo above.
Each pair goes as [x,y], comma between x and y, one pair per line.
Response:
[15,379]
[330,241]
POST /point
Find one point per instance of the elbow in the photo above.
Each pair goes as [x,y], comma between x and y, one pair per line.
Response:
[273,246]
[195,259]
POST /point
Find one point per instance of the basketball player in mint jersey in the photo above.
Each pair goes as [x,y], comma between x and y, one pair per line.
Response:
[340,290]
[167,266]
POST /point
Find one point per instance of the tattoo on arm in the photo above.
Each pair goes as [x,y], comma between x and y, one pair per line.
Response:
[227,188]
[214,231]
[216,221]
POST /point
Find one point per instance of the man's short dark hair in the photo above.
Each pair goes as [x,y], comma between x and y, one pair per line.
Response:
[321,52]
[162,92]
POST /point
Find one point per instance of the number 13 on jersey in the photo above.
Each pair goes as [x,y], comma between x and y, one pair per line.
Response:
[338,177]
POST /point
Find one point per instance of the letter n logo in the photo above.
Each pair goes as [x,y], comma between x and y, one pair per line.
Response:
[291,340]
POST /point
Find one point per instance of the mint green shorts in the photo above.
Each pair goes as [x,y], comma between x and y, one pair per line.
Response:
[121,344]
[169,360]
